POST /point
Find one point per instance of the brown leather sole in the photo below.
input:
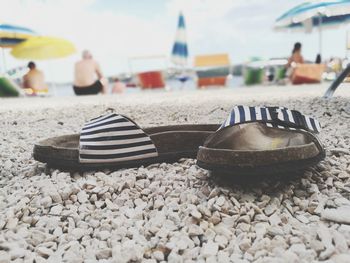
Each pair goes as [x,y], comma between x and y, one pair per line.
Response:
[243,163]
[172,142]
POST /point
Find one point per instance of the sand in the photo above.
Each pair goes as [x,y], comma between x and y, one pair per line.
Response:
[171,212]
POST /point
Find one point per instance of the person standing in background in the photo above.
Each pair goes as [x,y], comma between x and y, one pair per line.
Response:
[88,77]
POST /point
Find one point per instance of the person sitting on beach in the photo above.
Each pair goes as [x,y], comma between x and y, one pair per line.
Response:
[88,78]
[296,57]
[34,80]
[118,86]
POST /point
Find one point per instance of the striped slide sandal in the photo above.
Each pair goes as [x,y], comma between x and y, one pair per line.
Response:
[115,141]
[262,140]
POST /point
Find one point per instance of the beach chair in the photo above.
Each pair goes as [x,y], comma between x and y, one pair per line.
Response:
[151,80]
[307,73]
[212,70]
[8,88]
[336,83]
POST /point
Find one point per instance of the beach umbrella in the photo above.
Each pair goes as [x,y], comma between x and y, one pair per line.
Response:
[43,48]
[179,53]
[11,35]
[320,14]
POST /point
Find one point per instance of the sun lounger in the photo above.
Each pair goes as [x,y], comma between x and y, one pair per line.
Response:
[151,80]
[307,73]
[330,91]
[212,70]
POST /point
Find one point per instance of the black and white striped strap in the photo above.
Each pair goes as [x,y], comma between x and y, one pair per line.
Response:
[277,117]
[114,138]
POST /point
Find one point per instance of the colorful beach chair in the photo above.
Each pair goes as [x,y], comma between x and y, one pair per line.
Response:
[151,80]
[212,70]
[308,73]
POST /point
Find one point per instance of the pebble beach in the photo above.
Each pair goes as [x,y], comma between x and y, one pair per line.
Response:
[174,212]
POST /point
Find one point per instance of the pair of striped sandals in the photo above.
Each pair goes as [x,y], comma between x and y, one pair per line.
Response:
[252,140]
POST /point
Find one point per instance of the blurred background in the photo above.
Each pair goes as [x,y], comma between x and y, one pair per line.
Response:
[131,37]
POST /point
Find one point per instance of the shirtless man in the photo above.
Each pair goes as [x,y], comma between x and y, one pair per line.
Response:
[88,78]
[34,79]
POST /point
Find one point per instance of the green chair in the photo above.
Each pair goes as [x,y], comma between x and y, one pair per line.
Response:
[8,88]
[253,76]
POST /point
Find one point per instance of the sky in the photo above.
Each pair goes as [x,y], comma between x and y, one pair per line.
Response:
[116,31]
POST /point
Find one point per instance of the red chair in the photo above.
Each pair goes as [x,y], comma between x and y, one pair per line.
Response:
[151,80]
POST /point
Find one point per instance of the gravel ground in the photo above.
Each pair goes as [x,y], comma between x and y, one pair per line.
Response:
[171,212]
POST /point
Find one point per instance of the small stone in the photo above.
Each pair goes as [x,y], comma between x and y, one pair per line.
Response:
[82,197]
[93,198]
[158,255]
[341,258]
[339,202]
[260,229]
[220,201]
[275,220]
[275,231]
[196,214]
[26,219]
[209,249]
[94,223]
[194,230]
[343,175]
[339,215]
[110,205]
[303,219]
[7,165]
[99,204]
[55,196]
[215,218]
[12,223]
[209,234]
[4,257]
[221,240]
[213,193]
[317,245]
[78,233]
[57,209]
[17,252]
[44,252]
[158,203]
[244,219]
[103,235]
[173,257]
[340,242]
[244,244]
[270,209]
[223,257]
[104,253]
[146,191]
[46,201]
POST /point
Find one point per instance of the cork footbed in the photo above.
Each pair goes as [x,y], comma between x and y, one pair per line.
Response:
[255,148]
[172,143]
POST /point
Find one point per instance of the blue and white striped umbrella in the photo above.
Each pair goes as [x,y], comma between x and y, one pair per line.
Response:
[321,14]
[179,54]
[11,35]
